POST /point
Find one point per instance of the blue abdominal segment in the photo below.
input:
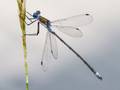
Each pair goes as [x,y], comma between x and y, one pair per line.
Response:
[48,28]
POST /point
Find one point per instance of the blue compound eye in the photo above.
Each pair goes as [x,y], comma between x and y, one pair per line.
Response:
[38,12]
[35,15]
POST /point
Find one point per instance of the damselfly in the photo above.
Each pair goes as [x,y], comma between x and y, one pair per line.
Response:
[68,26]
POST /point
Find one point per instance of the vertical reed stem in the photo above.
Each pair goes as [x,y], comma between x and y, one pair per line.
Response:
[22,9]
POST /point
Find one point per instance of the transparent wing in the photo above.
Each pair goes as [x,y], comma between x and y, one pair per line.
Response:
[68,30]
[53,45]
[75,21]
[46,53]
[50,47]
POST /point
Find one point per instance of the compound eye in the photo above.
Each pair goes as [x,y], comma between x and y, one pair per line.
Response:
[38,12]
[35,15]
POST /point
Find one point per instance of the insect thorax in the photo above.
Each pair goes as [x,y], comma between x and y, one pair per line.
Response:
[44,20]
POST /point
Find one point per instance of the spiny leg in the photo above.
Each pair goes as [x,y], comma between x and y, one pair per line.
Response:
[35,34]
[31,22]
[30,19]
[29,14]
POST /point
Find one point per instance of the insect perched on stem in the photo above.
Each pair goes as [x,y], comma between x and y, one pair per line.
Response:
[68,26]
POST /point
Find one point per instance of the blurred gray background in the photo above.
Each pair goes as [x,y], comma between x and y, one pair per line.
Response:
[99,46]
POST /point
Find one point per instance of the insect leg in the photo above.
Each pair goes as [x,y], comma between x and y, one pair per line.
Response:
[35,34]
[29,14]
[30,19]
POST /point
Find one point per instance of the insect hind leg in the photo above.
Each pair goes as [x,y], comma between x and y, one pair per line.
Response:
[37,33]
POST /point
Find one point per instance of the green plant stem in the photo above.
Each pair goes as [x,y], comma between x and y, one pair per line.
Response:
[22,9]
[25,62]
